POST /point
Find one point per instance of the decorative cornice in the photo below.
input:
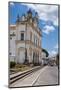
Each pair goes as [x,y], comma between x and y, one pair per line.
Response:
[12,27]
[27,42]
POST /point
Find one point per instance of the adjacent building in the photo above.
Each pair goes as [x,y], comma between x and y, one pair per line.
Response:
[44,56]
[25,39]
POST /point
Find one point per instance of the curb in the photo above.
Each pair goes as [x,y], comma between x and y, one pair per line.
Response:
[20,75]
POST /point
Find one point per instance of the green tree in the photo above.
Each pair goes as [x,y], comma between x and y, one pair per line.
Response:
[44,50]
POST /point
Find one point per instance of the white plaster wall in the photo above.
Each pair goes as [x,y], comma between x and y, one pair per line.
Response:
[12,58]
[20,28]
[21,56]
[27,34]
[19,45]
[12,47]
[12,44]
[34,33]
[40,59]
[43,55]
[29,56]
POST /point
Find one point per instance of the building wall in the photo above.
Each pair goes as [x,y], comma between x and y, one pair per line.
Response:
[12,49]
[43,55]
[18,46]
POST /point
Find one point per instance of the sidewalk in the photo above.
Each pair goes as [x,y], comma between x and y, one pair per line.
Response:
[19,73]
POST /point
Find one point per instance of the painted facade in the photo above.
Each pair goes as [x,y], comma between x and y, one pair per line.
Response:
[25,40]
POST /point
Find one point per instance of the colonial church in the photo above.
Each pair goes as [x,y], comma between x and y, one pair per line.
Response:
[25,39]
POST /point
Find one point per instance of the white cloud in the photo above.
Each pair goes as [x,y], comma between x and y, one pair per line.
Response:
[56,46]
[32,6]
[11,3]
[56,22]
[52,53]
[46,12]
[47,29]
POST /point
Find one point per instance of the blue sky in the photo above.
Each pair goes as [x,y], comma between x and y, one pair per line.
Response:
[48,22]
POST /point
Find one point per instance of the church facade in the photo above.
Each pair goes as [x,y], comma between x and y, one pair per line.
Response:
[25,40]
